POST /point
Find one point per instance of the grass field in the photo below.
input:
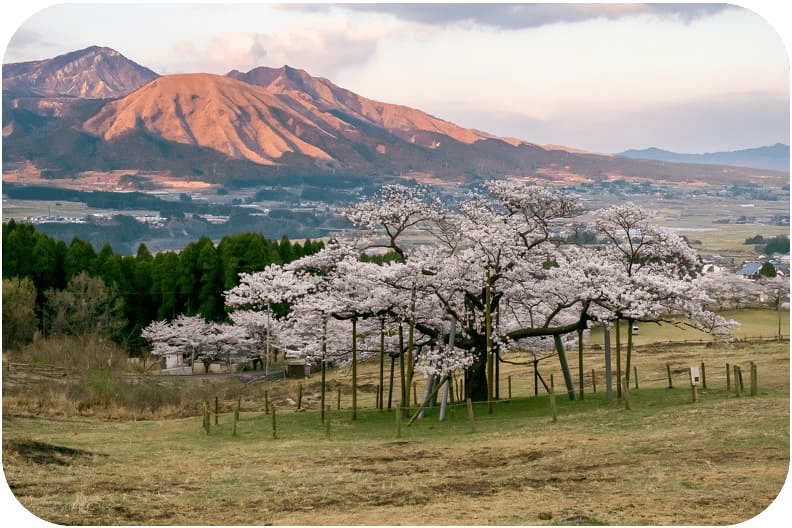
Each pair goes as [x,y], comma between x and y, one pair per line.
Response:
[666,461]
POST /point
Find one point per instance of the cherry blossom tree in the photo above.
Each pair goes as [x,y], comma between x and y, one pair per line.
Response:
[190,339]
[775,293]
[496,265]
[644,252]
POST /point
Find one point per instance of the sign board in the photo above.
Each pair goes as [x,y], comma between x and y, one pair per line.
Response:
[695,377]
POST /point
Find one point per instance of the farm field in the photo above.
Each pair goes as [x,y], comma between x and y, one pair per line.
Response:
[666,461]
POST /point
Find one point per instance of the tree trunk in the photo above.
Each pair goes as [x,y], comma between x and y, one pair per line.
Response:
[476,377]
[630,323]
[608,370]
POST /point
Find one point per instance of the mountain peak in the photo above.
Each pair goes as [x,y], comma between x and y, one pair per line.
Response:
[95,72]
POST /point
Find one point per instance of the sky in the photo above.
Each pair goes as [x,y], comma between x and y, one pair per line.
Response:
[688,78]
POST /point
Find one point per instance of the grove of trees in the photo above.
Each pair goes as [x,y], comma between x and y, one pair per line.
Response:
[140,288]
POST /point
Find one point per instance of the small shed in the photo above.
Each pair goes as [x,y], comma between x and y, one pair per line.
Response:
[295,368]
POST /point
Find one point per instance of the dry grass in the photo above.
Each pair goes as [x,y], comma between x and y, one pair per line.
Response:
[667,461]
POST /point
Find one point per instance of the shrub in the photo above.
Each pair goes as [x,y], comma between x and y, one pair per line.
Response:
[74,353]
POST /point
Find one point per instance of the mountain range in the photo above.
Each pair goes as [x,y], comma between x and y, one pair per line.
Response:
[774,157]
[94,109]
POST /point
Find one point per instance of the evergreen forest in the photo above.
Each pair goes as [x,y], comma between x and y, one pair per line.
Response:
[146,287]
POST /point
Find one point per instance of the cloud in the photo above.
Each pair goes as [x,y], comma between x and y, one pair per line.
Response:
[323,46]
[324,50]
[25,42]
[725,122]
[235,50]
[520,16]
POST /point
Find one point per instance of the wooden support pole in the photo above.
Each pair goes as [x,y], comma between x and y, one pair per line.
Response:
[693,387]
[703,377]
[580,365]
[488,333]
[754,381]
[429,397]
[217,411]
[415,394]
[266,402]
[236,416]
[471,417]
[510,387]
[626,392]
[398,420]
[553,404]
[635,375]
[328,410]
[668,371]
[739,376]
[354,368]
[299,397]
[728,377]
[274,424]
[593,380]
[339,399]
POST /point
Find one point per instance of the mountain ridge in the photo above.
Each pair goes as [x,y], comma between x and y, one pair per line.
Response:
[273,121]
[771,157]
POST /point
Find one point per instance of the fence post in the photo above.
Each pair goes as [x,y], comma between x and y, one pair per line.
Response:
[753,379]
[339,398]
[635,376]
[299,398]
[703,377]
[217,411]
[266,402]
[736,382]
[739,376]
[274,424]
[510,387]
[594,380]
[728,377]
[471,417]
[668,371]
